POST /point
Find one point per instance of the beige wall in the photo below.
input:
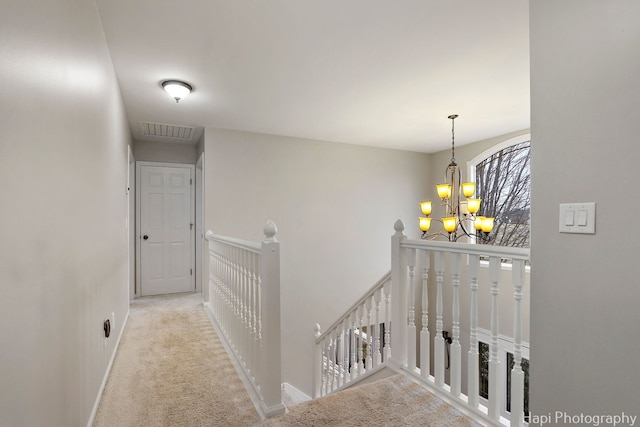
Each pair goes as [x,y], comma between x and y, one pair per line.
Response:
[584,288]
[335,206]
[63,212]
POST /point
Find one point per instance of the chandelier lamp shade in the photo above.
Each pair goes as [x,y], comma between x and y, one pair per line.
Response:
[461,217]
[177,89]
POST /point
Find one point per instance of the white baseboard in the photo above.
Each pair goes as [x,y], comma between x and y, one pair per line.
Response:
[94,411]
[292,396]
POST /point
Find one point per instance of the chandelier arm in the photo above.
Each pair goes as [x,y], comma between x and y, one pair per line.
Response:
[464,230]
[431,236]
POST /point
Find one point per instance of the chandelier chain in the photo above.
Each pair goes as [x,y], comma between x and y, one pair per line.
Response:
[453,136]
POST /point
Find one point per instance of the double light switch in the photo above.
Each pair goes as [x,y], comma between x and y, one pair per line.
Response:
[578,218]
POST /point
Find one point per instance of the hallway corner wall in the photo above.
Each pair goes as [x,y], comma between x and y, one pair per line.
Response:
[63,212]
[584,130]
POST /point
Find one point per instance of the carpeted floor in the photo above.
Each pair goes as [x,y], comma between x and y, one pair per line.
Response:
[171,370]
[393,401]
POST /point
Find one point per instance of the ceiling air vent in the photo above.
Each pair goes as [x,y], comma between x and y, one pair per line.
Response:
[166,131]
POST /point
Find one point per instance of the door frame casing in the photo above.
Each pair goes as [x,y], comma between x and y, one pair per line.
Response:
[131,220]
[139,165]
[199,217]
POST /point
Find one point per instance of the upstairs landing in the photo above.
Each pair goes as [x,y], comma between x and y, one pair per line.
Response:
[393,401]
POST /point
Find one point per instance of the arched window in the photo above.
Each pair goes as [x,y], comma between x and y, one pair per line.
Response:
[503,182]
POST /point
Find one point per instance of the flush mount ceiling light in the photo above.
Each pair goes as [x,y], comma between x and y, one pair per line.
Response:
[177,89]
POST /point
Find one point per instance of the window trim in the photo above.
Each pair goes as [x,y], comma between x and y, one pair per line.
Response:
[471,164]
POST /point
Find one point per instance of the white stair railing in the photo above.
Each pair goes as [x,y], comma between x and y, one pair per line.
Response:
[353,346]
[244,281]
[357,344]
[452,261]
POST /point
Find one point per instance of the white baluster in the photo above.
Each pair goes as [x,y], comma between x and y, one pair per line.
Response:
[473,358]
[425,337]
[378,342]
[340,355]
[232,294]
[334,360]
[361,341]
[231,312]
[517,374]
[411,321]
[238,296]
[496,387]
[387,323]
[213,283]
[439,340]
[329,363]
[369,358]
[247,305]
[227,289]
[217,271]
[456,356]
[325,369]
[254,314]
[218,285]
[244,309]
[222,287]
[354,346]
[260,315]
[347,350]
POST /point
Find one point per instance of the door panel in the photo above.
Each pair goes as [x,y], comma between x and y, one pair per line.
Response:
[166,243]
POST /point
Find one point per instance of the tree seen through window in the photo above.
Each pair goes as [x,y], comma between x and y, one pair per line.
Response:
[503,182]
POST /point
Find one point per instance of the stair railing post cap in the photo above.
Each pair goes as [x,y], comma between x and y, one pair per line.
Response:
[270,231]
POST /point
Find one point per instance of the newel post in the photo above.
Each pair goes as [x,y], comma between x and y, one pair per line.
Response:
[318,362]
[399,294]
[270,284]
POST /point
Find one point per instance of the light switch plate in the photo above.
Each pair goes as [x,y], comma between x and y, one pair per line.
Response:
[578,218]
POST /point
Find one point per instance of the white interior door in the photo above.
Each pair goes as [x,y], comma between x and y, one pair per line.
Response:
[166,229]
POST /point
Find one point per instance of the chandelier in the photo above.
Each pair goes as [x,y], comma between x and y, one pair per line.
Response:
[461,216]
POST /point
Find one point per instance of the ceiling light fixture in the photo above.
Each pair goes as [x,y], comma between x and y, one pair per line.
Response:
[177,89]
[459,215]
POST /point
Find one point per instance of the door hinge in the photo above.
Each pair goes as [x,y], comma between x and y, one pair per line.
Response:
[190,181]
[191,271]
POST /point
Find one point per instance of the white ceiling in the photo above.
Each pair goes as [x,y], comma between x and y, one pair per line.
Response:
[370,72]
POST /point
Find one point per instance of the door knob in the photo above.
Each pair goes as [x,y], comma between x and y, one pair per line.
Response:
[145,237]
